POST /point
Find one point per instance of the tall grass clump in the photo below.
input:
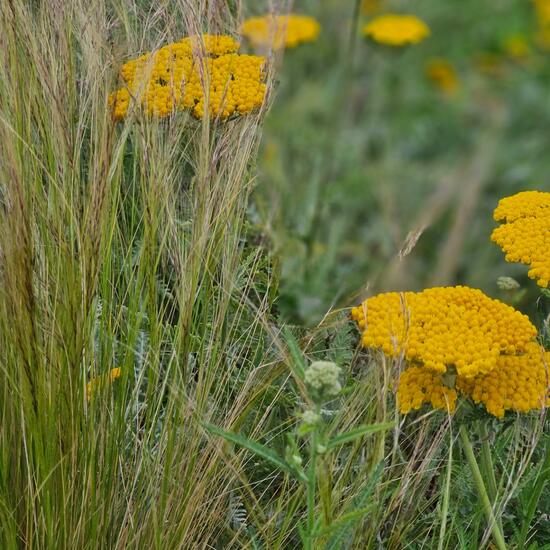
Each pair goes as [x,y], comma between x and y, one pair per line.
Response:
[150,394]
[123,246]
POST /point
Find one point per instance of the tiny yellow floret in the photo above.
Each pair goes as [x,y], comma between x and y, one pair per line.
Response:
[280,31]
[396,30]
[525,232]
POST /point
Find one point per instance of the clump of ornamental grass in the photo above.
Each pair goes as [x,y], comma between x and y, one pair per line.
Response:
[132,307]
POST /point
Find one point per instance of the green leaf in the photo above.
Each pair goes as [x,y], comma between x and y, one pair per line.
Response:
[352,435]
[344,519]
[254,447]
[342,527]
[299,365]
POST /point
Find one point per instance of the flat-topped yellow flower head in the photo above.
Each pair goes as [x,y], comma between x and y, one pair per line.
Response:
[396,30]
[525,232]
[542,10]
[196,72]
[280,31]
[443,75]
[457,342]
[441,328]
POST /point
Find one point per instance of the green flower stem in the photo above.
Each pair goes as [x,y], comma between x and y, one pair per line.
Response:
[311,488]
[482,491]
[487,466]
[446,495]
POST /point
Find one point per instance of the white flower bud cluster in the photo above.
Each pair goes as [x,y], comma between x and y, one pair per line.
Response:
[322,378]
[507,283]
[311,418]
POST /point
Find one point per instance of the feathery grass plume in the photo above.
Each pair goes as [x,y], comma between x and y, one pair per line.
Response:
[124,246]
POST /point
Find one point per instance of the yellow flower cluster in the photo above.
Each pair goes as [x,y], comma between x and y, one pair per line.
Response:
[439,327]
[200,74]
[456,341]
[443,74]
[100,381]
[280,31]
[516,47]
[418,386]
[542,10]
[396,30]
[371,6]
[525,232]
[518,383]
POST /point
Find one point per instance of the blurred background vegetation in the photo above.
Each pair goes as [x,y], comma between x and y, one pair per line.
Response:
[373,176]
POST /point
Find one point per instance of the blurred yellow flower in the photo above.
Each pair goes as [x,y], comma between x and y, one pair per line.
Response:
[280,31]
[396,30]
[542,9]
[489,63]
[101,381]
[525,232]
[516,47]
[443,75]
[199,73]
[371,6]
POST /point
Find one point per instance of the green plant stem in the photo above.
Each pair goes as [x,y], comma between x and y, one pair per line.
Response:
[353,32]
[446,495]
[482,491]
[311,489]
[487,466]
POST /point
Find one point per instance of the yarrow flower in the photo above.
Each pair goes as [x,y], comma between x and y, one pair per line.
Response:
[443,74]
[439,327]
[280,31]
[457,341]
[542,10]
[525,232]
[396,30]
[201,74]
[100,381]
